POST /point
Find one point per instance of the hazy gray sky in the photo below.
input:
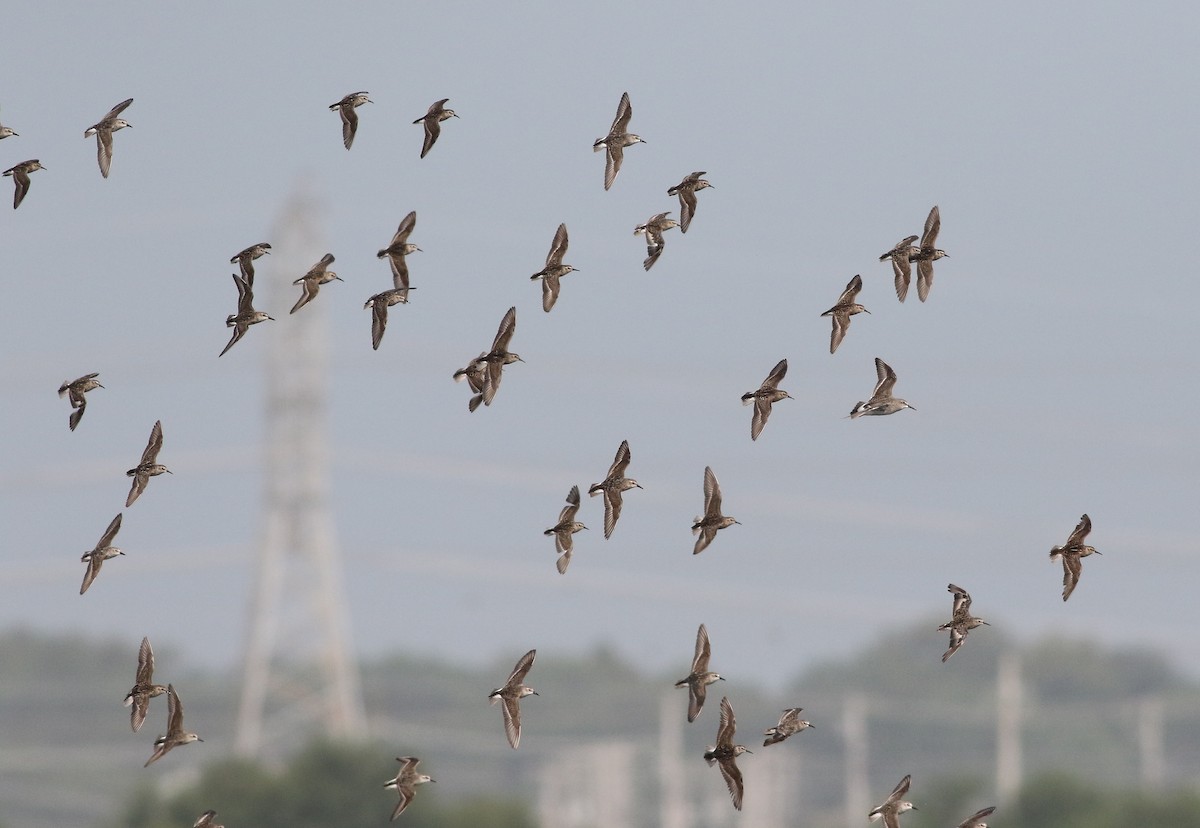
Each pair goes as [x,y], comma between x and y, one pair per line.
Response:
[1049,368]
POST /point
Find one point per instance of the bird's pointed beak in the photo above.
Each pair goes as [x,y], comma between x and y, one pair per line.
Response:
[339,278]
[536,693]
[98,385]
[198,739]
[272,318]
[865,310]
[168,471]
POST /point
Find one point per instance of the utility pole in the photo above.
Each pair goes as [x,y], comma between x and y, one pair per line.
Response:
[673,803]
[854,739]
[299,675]
[1009,695]
[1150,743]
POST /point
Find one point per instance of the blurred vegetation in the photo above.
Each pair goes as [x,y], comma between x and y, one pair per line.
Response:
[326,783]
[1066,801]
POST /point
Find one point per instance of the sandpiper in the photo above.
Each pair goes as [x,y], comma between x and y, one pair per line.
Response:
[245,260]
[712,521]
[103,131]
[653,230]
[789,723]
[76,389]
[767,395]
[563,530]
[616,141]
[433,123]
[611,487]
[843,310]
[961,621]
[554,269]
[5,132]
[901,256]
[207,820]
[893,806]
[976,820]
[476,376]
[882,402]
[20,176]
[246,314]
[345,107]
[493,363]
[175,734]
[686,190]
[398,249]
[698,680]
[510,696]
[1072,554]
[396,254]
[144,688]
[406,781]
[928,253]
[725,753]
[149,465]
[319,274]
[102,551]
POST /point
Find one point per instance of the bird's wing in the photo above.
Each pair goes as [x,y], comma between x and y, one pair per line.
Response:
[1081,531]
[522,668]
[727,725]
[512,721]
[612,511]
[614,154]
[558,247]
[621,461]
[155,444]
[703,651]
[851,291]
[504,334]
[433,128]
[349,123]
[104,150]
[117,110]
[624,112]
[933,223]
[407,224]
[733,780]
[687,208]
[550,288]
[777,374]
[712,493]
[762,410]
[114,526]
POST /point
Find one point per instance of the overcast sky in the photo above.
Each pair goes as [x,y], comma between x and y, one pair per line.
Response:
[1049,369]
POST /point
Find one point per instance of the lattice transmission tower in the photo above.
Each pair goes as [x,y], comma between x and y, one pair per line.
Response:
[300,675]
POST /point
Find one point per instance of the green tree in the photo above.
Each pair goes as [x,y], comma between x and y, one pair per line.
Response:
[327,783]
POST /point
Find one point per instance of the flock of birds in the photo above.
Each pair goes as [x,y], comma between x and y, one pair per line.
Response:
[483,375]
